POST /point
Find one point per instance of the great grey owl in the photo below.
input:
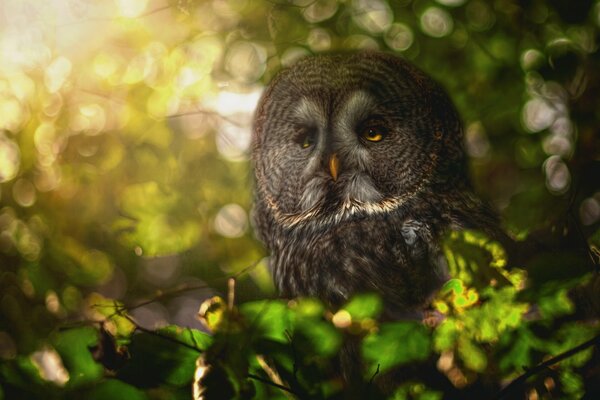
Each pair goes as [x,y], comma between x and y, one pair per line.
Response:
[360,168]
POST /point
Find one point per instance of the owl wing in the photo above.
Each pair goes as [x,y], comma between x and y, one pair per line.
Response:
[421,248]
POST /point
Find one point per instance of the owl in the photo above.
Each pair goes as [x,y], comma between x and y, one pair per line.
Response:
[360,168]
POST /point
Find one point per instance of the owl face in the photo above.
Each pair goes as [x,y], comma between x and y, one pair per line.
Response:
[342,136]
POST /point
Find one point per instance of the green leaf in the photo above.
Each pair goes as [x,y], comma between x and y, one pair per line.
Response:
[396,344]
[453,285]
[519,352]
[73,346]
[553,300]
[472,355]
[572,383]
[569,336]
[267,318]
[163,357]
[474,260]
[308,307]
[367,305]
[445,335]
[21,373]
[319,337]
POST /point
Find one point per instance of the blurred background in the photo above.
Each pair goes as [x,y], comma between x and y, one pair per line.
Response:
[125,126]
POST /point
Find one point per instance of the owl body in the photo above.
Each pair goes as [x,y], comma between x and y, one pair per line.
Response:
[359,168]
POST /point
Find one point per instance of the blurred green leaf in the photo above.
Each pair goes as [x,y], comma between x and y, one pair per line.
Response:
[445,335]
[74,345]
[154,221]
[165,357]
[308,307]
[416,391]
[472,355]
[554,302]
[23,374]
[570,336]
[519,352]
[318,337]
[396,344]
[475,260]
[268,318]
[364,306]
[572,383]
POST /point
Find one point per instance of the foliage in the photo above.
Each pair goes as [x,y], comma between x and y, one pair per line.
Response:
[125,193]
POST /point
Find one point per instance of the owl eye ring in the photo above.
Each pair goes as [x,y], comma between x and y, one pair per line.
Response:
[373,133]
[306,138]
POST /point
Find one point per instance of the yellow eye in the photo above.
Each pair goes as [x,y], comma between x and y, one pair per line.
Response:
[306,136]
[373,134]
[308,141]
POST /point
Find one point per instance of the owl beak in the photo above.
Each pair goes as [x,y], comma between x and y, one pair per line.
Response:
[334,166]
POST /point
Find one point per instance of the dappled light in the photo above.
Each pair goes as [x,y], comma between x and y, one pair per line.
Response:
[126,201]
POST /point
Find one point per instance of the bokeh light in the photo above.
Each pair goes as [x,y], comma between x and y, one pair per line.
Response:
[151,316]
[10,158]
[589,210]
[374,16]
[480,15]
[131,8]
[319,10]
[538,115]
[161,271]
[50,366]
[245,61]
[24,193]
[558,177]
[319,40]
[399,37]
[56,74]
[476,141]
[436,22]
[125,172]
[231,221]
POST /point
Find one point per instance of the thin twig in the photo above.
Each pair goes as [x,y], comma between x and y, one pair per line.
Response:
[367,388]
[230,293]
[158,334]
[374,375]
[205,112]
[542,366]
[268,382]
[288,335]
[164,295]
[180,290]
[271,373]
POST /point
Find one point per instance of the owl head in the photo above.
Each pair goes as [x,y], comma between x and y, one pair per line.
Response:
[341,136]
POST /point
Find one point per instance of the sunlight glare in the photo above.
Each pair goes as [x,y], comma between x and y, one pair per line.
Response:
[131,8]
[50,366]
[56,74]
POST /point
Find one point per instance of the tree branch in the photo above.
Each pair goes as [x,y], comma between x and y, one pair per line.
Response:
[158,334]
[511,387]
[268,382]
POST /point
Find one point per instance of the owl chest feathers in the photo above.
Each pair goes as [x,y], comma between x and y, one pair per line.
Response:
[387,254]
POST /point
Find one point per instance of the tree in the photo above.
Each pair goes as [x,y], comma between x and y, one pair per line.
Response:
[125,195]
